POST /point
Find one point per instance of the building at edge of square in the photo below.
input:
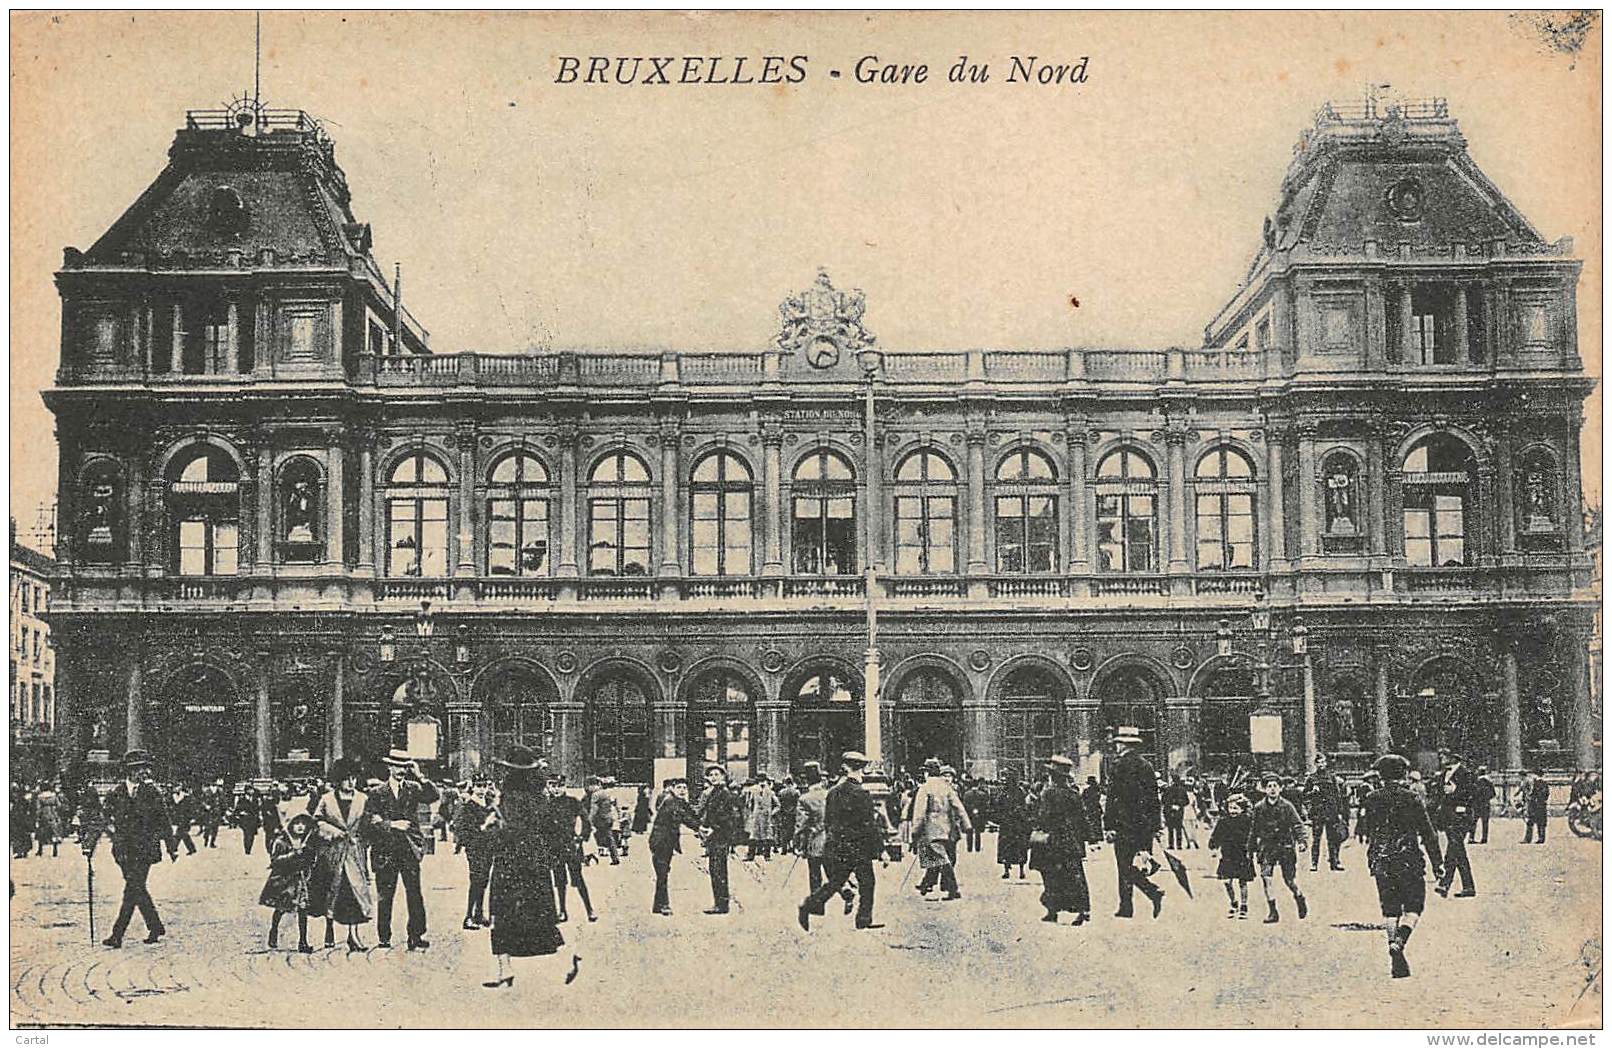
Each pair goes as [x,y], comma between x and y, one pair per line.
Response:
[293,530]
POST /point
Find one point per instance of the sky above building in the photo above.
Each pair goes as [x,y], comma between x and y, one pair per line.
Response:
[529,214]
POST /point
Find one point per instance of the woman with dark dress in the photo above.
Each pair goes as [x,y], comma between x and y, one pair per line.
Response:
[641,811]
[527,830]
[1013,826]
[339,890]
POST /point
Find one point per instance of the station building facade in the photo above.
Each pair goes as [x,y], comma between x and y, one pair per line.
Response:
[292,530]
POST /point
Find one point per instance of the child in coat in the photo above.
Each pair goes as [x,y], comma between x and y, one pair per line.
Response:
[290,868]
[1231,836]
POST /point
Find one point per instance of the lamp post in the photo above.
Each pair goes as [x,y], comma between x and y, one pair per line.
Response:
[872,742]
[1301,648]
[1265,722]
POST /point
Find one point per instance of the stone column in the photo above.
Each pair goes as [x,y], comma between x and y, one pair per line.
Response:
[976,499]
[1080,731]
[775,511]
[335,493]
[1458,330]
[1505,513]
[1383,734]
[772,738]
[567,564]
[1309,501]
[1393,504]
[568,741]
[232,338]
[1275,503]
[979,738]
[134,711]
[1583,708]
[135,522]
[873,491]
[1182,720]
[1407,321]
[177,345]
[670,512]
[1079,529]
[1376,305]
[1376,493]
[1512,705]
[265,504]
[263,721]
[1573,490]
[336,722]
[466,435]
[668,715]
[1177,440]
[366,504]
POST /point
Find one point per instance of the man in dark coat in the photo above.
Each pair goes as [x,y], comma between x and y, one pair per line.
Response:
[1328,806]
[1483,794]
[1536,801]
[184,811]
[1061,817]
[855,839]
[672,814]
[788,804]
[1457,788]
[977,802]
[472,836]
[723,819]
[1132,818]
[137,814]
[1092,798]
[212,812]
[248,814]
[1398,829]
[397,843]
[1174,801]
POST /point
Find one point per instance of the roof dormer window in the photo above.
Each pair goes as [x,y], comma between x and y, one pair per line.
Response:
[226,212]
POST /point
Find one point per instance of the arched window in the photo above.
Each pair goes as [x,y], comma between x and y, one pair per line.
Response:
[1026,513]
[1230,695]
[204,508]
[823,493]
[618,516]
[926,511]
[720,718]
[518,518]
[618,720]
[1127,513]
[1340,479]
[417,517]
[1444,710]
[825,719]
[301,505]
[100,516]
[1031,704]
[719,509]
[516,707]
[1438,477]
[1225,484]
[1536,495]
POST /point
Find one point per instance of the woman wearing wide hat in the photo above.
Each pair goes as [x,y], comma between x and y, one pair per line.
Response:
[527,830]
[339,890]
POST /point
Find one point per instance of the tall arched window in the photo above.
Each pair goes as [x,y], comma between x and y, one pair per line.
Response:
[825,719]
[823,494]
[719,509]
[1127,513]
[1230,695]
[518,517]
[516,706]
[618,516]
[1225,483]
[1438,477]
[618,722]
[1130,696]
[204,508]
[1444,710]
[417,517]
[1026,513]
[1031,704]
[926,511]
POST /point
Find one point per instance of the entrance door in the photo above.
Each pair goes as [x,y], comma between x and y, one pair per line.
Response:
[931,734]
[720,738]
[822,736]
[201,740]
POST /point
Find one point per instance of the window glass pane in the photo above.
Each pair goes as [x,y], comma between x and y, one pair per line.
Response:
[1011,468]
[807,508]
[633,470]
[738,534]
[1452,552]
[836,469]
[708,469]
[431,471]
[737,505]
[1240,529]
[1008,506]
[705,560]
[1242,555]
[705,506]
[940,507]
[192,547]
[841,547]
[1038,467]
[841,508]
[1418,552]
[434,547]
[1108,506]
[635,534]
[911,468]
[225,538]
[1209,555]
[606,470]
[941,560]
[705,534]
[1418,523]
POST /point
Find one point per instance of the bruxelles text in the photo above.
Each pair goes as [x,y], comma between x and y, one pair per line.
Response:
[792,69]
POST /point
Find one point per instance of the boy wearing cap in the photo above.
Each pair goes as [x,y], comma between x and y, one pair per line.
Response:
[1396,823]
[672,814]
[720,813]
[1276,833]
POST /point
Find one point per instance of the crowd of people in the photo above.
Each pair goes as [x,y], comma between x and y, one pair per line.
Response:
[338,849]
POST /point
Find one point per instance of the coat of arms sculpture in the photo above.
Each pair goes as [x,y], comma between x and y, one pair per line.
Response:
[823,322]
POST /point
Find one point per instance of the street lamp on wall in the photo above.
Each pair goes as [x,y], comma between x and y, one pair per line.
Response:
[388,644]
[1223,638]
[461,649]
[424,625]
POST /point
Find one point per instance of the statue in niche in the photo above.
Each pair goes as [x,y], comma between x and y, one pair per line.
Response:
[1546,730]
[1345,731]
[98,514]
[299,729]
[1340,488]
[1536,516]
[299,508]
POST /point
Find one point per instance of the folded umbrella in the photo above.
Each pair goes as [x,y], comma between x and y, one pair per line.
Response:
[1179,869]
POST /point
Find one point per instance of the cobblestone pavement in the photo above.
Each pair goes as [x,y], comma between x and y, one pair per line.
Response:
[1524,954]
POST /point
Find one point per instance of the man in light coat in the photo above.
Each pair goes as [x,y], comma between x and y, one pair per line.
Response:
[760,812]
[939,818]
[811,828]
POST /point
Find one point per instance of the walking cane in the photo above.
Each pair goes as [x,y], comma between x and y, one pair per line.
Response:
[791,872]
[907,875]
[89,875]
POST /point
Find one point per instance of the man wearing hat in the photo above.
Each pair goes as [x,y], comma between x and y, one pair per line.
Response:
[1536,806]
[1058,849]
[1482,805]
[1453,815]
[811,830]
[855,839]
[939,818]
[723,820]
[672,814]
[397,843]
[140,825]
[1398,830]
[1328,808]
[1132,818]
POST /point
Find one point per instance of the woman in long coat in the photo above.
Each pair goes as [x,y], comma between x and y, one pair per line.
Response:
[527,828]
[339,889]
[1013,826]
[50,823]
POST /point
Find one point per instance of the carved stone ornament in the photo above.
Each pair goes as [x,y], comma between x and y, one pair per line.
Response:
[772,661]
[566,662]
[670,661]
[1183,657]
[823,323]
[979,659]
[1082,659]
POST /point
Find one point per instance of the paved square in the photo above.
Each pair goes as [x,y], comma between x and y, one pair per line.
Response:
[1524,954]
